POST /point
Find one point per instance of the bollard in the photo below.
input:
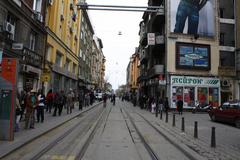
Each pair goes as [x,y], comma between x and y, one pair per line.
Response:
[195,129]
[213,138]
[161,114]
[183,125]
[173,123]
[156,113]
[166,117]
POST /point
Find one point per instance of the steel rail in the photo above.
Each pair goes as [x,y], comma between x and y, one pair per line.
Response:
[82,152]
[56,141]
[50,130]
[168,139]
[146,145]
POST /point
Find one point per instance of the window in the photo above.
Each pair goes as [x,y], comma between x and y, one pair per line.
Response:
[58,59]
[82,35]
[37,5]
[32,41]
[49,53]
[222,38]
[67,65]
[74,68]
[80,53]
[221,12]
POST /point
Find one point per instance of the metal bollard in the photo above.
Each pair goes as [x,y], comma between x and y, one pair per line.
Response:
[161,114]
[183,125]
[195,129]
[166,117]
[213,138]
[174,124]
[156,112]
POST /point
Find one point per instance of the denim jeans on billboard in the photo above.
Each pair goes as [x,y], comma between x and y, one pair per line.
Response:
[190,11]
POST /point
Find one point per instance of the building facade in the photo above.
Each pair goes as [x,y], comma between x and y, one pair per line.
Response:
[63,28]
[189,59]
[23,36]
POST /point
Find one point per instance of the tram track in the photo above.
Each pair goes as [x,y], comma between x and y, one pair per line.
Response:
[70,126]
[156,154]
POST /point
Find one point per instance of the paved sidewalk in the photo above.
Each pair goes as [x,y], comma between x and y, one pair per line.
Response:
[177,136]
[24,136]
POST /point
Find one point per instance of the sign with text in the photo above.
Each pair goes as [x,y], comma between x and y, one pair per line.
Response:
[151,38]
[193,81]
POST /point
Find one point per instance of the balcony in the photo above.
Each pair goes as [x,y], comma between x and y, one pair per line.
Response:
[143,56]
[156,70]
[143,39]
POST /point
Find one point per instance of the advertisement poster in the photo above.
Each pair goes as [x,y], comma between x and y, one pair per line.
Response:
[195,17]
[195,56]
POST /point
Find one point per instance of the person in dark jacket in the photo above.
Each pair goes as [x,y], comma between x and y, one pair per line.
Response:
[166,104]
[180,106]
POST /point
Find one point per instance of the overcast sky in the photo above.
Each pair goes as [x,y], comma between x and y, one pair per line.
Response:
[117,48]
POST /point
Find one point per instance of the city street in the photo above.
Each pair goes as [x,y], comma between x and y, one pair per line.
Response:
[123,131]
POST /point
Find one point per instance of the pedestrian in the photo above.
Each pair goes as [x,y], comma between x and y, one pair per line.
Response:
[166,104]
[114,99]
[49,101]
[180,106]
[18,114]
[80,100]
[31,103]
[70,102]
[160,103]
[40,106]
[153,106]
[56,103]
[22,101]
[188,10]
[104,100]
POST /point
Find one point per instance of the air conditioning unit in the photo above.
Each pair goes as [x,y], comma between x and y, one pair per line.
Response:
[50,2]
[225,83]
[10,28]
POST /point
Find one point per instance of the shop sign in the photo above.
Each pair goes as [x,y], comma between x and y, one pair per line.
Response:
[193,81]
[151,38]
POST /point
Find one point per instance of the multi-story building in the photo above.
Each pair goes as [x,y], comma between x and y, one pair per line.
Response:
[85,53]
[63,28]
[237,18]
[180,57]
[97,64]
[227,50]
[23,36]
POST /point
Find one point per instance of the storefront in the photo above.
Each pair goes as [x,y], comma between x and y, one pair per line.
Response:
[192,90]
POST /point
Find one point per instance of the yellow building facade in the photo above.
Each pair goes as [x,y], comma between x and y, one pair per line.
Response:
[61,61]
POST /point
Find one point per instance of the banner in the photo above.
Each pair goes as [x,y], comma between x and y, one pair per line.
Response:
[193,17]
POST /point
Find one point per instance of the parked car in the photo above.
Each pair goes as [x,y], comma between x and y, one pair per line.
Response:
[228,112]
[99,96]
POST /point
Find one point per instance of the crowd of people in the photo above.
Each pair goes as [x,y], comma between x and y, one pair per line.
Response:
[31,106]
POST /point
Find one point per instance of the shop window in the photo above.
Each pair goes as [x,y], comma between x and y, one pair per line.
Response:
[214,97]
[202,96]
[189,97]
[177,93]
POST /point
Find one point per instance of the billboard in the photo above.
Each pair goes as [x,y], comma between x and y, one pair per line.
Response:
[195,17]
[192,56]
